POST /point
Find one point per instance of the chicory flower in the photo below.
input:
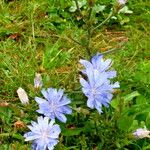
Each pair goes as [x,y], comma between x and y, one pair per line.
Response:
[55,104]
[44,134]
[98,87]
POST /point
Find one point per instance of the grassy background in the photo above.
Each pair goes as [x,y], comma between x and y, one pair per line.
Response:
[35,37]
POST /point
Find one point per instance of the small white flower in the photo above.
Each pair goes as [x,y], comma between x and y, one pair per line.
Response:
[22,95]
[141,133]
[122,2]
[38,81]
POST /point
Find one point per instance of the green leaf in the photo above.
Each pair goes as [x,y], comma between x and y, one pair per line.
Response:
[99,8]
[141,100]
[130,96]
[124,123]
[114,103]
[17,136]
[148,121]
[125,20]
[125,10]
[73,8]
[71,132]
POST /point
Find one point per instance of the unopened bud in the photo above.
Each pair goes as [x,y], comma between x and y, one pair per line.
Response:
[22,95]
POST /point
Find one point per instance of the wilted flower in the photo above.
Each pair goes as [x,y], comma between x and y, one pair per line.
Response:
[43,133]
[4,104]
[55,104]
[38,81]
[122,2]
[97,89]
[142,133]
[22,95]
[19,124]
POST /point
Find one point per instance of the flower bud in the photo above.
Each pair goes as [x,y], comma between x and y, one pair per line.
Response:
[22,95]
[38,81]
[141,133]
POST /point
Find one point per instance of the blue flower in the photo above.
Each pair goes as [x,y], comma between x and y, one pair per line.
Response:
[98,88]
[55,104]
[43,133]
[98,63]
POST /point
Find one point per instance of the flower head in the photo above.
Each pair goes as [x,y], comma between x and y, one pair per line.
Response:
[141,133]
[99,64]
[43,133]
[38,81]
[55,104]
[122,2]
[22,95]
[98,88]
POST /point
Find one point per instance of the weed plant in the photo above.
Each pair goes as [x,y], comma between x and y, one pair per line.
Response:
[50,37]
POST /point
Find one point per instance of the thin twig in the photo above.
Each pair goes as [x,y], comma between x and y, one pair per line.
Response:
[109,16]
[78,8]
[113,49]
[88,44]
[76,41]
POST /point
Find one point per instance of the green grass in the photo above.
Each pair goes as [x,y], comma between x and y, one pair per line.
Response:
[35,37]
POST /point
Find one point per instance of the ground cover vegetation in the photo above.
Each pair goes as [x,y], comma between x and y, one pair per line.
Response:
[61,52]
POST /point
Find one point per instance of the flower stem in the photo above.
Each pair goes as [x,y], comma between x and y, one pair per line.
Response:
[102,23]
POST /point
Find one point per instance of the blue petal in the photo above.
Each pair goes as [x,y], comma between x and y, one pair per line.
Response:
[64,101]
[90,75]
[84,83]
[65,110]
[106,64]
[45,93]
[111,74]
[60,94]
[99,109]
[39,100]
[52,144]
[91,102]
[86,63]
[54,131]
[29,136]
[96,61]
[61,117]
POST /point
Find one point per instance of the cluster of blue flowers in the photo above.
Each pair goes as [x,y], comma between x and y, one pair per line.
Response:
[55,105]
[97,88]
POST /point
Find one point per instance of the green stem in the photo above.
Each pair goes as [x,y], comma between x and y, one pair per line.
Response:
[13,135]
[109,16]
[78,8]
[88,43]
[4,135]
[96,127]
